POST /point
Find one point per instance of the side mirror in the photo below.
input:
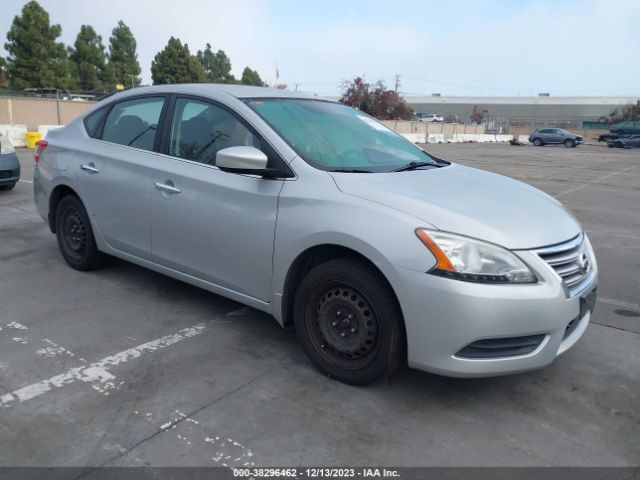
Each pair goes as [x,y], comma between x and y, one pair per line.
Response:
[240,159]
[247,160]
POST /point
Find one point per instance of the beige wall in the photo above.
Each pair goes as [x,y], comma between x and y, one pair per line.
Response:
[405,126]
[39,111]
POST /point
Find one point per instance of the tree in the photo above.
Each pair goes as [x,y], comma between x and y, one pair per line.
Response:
[216,66]
[175,64]
[627,113]
[89,59]
[35,58]
[123,66]
[251,77]
[477,115]
[378,101]
[3,74]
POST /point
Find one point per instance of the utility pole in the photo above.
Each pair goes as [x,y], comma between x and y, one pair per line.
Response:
[397,83]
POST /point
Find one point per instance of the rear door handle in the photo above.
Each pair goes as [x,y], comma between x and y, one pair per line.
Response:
[89,168]
[166,188]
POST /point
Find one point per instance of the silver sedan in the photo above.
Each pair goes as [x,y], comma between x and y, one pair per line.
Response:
[376,252]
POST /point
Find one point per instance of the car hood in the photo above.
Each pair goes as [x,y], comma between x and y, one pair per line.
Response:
[471,202]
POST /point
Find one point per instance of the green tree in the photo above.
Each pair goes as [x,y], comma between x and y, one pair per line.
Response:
[3,74]
[175,64]
[251,77]
[89,59]
[35,58]
[216,66]
[123,66]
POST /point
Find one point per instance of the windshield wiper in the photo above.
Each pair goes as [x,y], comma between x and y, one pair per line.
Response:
[415,165]
[350,170]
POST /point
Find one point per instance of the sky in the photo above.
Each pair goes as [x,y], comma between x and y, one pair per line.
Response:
[454,47]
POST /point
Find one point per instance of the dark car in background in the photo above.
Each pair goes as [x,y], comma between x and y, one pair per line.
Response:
[632,141]
[9,165]
[550,136]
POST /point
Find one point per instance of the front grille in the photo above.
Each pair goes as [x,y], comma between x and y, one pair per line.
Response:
[569,260]
[501,347]
[6,174]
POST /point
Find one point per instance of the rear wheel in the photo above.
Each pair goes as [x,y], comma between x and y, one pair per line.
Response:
[349,321]
[75,236]
[537,142]
[568,143]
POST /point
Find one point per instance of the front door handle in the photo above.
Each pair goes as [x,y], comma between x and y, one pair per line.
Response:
[166,187]
[89,168]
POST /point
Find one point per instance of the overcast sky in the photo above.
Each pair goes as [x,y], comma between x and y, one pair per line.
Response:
[483,47]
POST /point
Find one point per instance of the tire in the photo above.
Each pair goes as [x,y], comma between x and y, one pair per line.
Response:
[568,143]
[349,322]
[75,236]
[8,187]
[537,142]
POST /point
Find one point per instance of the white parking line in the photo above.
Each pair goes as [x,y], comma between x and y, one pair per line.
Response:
[96,373]
[592,182]
[25,181]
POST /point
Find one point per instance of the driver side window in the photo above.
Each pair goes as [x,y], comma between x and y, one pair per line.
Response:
[200,129]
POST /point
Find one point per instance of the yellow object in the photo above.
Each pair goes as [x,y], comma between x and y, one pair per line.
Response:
[119,86]
[32,138]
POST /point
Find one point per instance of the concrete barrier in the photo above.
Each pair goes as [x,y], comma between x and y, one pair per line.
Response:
[414,137]
[15,134]
[523,138]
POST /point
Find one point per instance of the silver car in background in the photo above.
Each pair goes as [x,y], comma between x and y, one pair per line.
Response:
[375,251]
[9,164]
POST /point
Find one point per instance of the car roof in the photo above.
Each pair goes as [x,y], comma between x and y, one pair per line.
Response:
[237,91]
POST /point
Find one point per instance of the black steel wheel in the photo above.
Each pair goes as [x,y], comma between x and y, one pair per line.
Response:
[75,236]
[348,321]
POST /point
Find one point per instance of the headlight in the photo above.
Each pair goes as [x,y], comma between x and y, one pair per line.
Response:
[5,146]
[472,260]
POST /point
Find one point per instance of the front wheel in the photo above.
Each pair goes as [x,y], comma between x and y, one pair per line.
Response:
[75,236]
[348,321]
[537,142]
[569,143]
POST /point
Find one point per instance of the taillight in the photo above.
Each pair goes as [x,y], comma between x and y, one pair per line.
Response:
[40,146]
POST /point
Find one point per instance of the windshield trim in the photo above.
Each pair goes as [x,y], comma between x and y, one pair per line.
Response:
[388,168]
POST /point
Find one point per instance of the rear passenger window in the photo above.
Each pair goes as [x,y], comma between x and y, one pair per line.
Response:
[134,122]
[200,129]
[92,121]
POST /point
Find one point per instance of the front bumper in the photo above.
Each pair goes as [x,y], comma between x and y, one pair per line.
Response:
[442,316]
[9,169]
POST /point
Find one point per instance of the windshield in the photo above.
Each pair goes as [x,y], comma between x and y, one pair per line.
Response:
[332,136]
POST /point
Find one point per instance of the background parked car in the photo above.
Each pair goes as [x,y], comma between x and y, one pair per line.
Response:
[432,117]
[627,142]
[549,136]
[9,165]
[629,128]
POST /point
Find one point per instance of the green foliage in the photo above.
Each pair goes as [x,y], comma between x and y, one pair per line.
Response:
[251,77]
[175,64]
[377,101]
[216,66]
[3,74]
[35,59]
[89,59]
[123,66]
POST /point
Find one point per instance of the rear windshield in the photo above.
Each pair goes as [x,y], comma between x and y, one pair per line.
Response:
[333,136]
